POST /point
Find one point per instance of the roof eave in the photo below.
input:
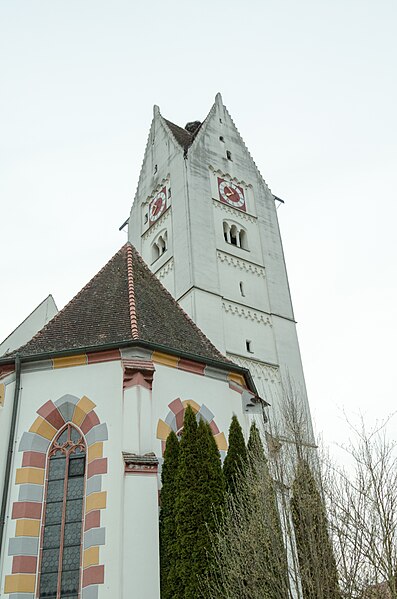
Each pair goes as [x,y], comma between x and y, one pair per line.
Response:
[226,366]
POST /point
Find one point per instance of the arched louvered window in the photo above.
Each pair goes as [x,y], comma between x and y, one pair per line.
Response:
[60,560]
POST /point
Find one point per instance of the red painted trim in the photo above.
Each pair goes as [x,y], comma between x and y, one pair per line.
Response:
[103,356]
[179,419]
[190,366]
[214,429]
[136,380]
[93,575]
[89,421]
[26,509]
[92,520]
[50,412]
[34,458]
[24,564]
[98,466]
[138,372]
[131,294]
[6,369]
[176,406]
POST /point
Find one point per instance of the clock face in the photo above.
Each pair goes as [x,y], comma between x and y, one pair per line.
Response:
[231,194]
[157,206]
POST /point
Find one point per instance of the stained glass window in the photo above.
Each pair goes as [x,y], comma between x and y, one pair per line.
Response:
[63,519]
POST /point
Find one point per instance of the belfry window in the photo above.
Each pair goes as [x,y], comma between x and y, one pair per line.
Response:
[235,235]
[159,246]
[243,239]
[59,571]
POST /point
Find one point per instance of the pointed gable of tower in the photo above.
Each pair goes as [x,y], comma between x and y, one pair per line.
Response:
[123,303]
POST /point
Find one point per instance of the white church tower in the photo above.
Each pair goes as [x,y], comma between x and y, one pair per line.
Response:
[205,221]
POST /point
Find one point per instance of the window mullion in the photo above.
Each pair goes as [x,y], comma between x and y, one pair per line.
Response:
[65,490]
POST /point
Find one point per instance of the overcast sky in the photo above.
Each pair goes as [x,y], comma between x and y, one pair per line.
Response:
[312,88]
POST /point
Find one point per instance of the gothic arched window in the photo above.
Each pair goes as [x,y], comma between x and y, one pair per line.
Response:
[159,246]
[63,517]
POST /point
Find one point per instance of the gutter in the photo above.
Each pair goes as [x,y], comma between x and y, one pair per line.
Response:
[225,366]
[11,441]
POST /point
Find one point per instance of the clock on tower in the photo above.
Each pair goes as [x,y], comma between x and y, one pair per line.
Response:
[231,194]
[157,205]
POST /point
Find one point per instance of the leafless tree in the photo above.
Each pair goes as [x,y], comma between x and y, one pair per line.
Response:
[362,509]
[256,555]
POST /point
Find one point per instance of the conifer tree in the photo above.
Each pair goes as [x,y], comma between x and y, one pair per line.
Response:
[254,445]
[318,573]
[236,457]
[249,554]
[167,516]
[200,494]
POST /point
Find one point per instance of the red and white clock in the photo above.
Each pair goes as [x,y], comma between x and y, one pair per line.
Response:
[157,206]
[231,194]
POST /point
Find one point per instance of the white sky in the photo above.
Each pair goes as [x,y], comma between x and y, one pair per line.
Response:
[312,88]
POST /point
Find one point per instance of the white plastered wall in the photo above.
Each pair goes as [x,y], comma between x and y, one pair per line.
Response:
[131,514]
[202,280]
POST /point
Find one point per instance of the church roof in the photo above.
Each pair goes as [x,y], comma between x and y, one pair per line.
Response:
[124,302]
[183,137]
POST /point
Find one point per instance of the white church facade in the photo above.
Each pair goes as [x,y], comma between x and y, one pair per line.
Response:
[87,403]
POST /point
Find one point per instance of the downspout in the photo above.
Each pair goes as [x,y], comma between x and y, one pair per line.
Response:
[10,451]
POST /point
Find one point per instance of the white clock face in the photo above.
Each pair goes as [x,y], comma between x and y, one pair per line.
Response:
[231,194]
[157,206]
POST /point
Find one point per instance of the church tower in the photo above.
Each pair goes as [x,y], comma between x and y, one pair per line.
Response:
[205,221]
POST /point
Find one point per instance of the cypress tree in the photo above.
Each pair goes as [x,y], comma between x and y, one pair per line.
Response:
[200,494]
[167,516]
[185,512]
[275,579]
[250,560]
[236,457]
[254,445]
[316,559]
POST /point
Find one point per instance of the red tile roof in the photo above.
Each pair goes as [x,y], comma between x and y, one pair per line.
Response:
[124,302]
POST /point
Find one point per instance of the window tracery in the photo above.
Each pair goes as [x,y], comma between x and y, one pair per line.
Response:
[159,246]
[63,517]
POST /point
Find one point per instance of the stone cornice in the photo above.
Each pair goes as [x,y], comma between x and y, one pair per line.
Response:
[234,211]
[157,225]
[241,264]
[140,464]
[248,313]
[138,372]
[165,269]
[257,368]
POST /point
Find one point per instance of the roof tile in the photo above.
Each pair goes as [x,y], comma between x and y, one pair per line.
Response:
[123,302]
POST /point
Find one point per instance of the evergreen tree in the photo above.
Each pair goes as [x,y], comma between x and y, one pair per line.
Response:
[316,559]
[249,555]
[167,516]
[200,495]
[236,457]
[254,445]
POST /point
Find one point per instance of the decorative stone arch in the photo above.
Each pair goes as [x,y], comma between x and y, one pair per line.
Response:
[159,245]
[31,477]
[235,234]
[174,422]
